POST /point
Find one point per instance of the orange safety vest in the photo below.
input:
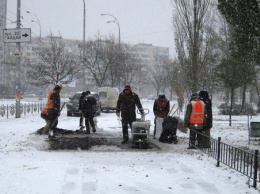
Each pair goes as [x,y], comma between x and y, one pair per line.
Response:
[49,104]
[197,112]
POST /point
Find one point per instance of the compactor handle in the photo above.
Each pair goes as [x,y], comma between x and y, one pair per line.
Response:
[146,111]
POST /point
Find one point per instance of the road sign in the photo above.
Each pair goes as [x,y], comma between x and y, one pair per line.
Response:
[17,35]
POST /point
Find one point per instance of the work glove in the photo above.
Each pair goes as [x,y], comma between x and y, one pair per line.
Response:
[118,114]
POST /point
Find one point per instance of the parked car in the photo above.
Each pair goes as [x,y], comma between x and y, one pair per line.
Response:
[73,104]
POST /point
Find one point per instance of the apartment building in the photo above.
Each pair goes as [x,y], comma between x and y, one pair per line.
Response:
[146,53]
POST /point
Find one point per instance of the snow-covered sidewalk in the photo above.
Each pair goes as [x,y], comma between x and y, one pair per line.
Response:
[27,166]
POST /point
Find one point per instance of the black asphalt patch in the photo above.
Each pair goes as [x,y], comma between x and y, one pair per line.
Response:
[90,141]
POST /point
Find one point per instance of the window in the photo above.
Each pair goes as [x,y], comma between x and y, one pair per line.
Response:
[102,95]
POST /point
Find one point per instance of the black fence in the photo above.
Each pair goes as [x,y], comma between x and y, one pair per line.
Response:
[7,111]
[245,162]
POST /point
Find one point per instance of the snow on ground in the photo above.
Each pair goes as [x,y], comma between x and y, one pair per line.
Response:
[28,166]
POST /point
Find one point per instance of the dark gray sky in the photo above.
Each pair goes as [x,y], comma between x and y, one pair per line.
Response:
[141,21]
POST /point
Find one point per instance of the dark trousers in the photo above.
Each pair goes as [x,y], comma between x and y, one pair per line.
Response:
[201,136]
[195,136]
[81,119]
[125,123]
[89,120]
[154,131]
[205,140]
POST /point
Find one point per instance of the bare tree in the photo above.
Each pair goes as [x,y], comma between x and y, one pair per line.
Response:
[160,74]
[177,84]
[56,64]
[191,20]
[100,55]
[132,67]
[109,64]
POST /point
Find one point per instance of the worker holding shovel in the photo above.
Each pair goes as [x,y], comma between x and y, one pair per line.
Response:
[51,111]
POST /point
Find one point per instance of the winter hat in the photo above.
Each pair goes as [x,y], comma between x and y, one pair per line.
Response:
[87,92]
[58,87]
[194,96]
[127,87]
[203,94]
[161,96]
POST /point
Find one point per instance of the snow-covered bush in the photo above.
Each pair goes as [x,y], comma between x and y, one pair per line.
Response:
[224,109]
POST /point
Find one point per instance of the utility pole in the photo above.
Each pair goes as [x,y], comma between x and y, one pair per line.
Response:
[18,75]
[84,45]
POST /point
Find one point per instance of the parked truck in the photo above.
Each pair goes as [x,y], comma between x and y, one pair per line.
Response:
[108,98]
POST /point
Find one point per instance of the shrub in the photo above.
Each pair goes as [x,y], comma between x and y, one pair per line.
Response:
[224,109]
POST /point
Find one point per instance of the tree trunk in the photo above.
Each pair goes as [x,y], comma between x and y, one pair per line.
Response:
[231,105]
[243,97]
[257,90]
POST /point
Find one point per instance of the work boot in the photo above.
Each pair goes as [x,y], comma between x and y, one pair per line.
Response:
[88,131]
[125,141]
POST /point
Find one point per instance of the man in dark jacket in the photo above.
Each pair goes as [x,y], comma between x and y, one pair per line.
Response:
[204,96]
[127,100]
[51,111]
[81,100]
[161,108]
[89,111]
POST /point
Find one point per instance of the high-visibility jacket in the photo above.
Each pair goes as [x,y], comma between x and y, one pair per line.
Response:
[50,104]
[198,112]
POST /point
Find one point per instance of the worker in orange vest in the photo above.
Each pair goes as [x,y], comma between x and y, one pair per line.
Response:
[51,111]
[194,120]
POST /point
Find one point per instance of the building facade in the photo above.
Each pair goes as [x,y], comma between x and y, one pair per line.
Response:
[147,55]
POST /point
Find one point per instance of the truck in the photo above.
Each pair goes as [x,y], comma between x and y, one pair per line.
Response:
[108,98]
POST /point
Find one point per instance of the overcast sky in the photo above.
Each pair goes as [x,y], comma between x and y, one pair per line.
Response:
[141,21]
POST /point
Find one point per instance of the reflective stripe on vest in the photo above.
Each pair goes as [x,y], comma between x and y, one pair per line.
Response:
[198,112]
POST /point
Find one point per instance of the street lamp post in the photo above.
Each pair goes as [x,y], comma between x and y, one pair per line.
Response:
[38,22]
[84,45]
[118,25]
[119,36]
[18,78]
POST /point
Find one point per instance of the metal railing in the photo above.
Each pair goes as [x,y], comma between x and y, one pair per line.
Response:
[245,162]
[25,108]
